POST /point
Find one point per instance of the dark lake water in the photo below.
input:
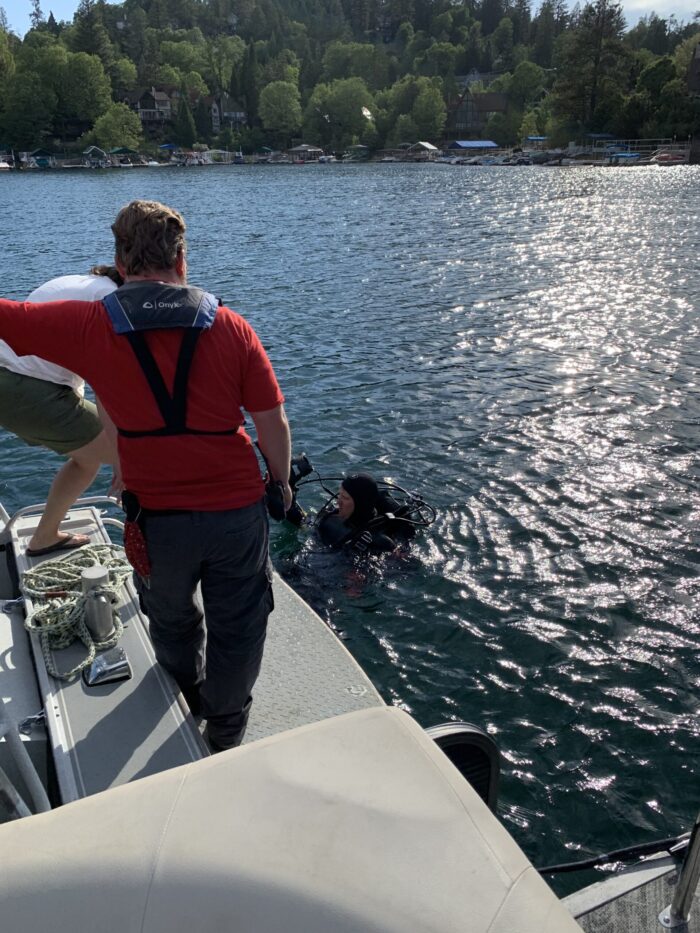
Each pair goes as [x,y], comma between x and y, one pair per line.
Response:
[519,345]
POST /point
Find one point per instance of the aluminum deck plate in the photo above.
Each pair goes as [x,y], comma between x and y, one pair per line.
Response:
[631,901]
[109,735]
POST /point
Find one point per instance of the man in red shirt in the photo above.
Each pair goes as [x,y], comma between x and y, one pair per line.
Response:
[173,369]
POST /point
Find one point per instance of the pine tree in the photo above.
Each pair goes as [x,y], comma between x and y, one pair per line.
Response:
[234,85]
[591,58]
[492,12]
[249,83]
[36,17]
[544,27]
[185,130]
[521,16]
[202,119]
[89,33]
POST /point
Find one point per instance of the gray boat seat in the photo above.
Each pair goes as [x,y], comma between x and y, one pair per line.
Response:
[357,823]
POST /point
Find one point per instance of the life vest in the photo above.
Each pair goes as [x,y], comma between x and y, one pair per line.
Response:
[140,306]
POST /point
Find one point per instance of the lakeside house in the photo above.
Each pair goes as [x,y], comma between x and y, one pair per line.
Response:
[225,111]
[470,110]
[157,106]
[153,106]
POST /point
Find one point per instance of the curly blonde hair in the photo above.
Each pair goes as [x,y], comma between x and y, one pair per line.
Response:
[148,236]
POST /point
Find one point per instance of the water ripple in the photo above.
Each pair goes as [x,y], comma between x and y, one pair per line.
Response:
[522,346]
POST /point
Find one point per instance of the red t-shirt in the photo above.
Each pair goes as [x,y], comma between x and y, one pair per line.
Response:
[230,371]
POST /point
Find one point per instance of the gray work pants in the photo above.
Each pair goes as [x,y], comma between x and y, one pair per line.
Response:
[227,552]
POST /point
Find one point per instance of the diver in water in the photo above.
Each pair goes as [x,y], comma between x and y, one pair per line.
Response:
[355,523]
[364,516]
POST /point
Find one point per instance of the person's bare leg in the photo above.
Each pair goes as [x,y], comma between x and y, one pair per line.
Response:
[70,483]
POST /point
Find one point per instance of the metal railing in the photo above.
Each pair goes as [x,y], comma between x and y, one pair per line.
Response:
[678,911]
[40,506]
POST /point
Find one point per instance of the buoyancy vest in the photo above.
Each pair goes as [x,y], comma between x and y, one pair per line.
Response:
[336,533]
[142,306]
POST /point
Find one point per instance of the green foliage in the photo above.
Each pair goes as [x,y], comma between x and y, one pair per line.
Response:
[184,56]
[167,76]
[228,140]
[530,125]
[527,84]
[504,128]
[684,53]
[118,126]
[184,131]
[502,43]
[280,109]
[123,75]
[195,85]
[429,113]
[282,67]
[250,83]
[403,131]
[7,60]
[85,90]
[224,54]
[563,73]
[36,17]
[202,119]
[335,114]
[589,57]
[357,60]
[89,33]
[651,32]
[439,59]
[28,111]
[655,76]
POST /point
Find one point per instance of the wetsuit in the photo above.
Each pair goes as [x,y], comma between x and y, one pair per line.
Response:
[358,538]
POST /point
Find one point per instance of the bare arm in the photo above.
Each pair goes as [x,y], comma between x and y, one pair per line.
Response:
[110,429]
[276,444]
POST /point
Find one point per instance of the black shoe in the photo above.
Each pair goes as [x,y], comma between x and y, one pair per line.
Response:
[214,746]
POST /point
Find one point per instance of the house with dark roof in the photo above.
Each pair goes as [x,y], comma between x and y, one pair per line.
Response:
[471,111]
[226,112]
[153,106]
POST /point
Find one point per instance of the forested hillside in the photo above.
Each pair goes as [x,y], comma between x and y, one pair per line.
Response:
[341,72]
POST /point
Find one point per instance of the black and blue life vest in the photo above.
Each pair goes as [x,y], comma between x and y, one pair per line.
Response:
[140,306]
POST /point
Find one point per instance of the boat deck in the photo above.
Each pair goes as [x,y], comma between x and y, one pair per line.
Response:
[632,901]
[115,733]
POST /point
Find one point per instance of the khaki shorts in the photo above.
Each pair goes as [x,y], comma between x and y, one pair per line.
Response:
[45,414]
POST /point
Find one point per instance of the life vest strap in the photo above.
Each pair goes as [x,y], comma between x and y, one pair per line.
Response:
[172,408]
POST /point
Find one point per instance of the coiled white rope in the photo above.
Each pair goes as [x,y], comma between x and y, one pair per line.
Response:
[60,618]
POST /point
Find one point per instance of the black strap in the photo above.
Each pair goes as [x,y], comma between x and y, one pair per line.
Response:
[182,375]
[172,408]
